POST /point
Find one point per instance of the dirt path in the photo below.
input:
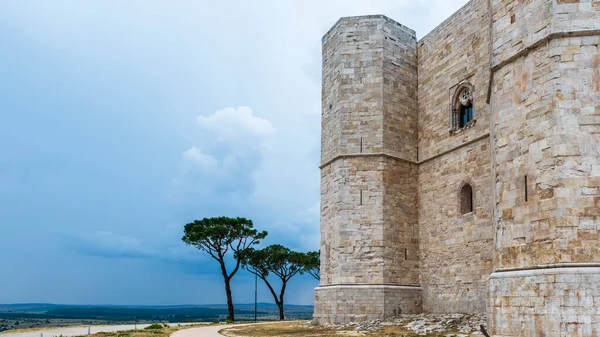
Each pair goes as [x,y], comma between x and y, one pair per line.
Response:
[76,331]
[208,331]
[205,331]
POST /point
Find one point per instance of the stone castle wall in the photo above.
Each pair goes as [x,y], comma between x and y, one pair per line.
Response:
[546,117]
[393,237]
[456,250]
[401,235]
[342,304]
[456,51]
[352,250]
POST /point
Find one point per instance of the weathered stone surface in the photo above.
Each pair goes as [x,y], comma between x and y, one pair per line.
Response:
[545,100]
[394,164]
[456,251]
[344,304]
[455,52]
[546,302]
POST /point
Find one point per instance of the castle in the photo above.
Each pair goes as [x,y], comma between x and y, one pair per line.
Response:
[460,173]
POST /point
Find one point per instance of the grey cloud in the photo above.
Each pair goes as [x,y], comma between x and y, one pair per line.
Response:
[110,245]
[231,150]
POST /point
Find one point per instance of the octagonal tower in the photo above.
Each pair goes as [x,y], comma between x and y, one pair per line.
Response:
[369,177]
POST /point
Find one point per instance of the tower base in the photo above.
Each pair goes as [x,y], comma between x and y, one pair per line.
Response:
[553,301]
[338,304]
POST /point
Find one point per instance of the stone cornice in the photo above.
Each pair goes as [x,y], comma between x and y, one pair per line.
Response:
[357,155]
[391,156]
[548,269]
[366,285]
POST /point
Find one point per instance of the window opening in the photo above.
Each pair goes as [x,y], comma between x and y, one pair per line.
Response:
[463,112]
[526,189]
[466,107]
[361,145]
[466,199]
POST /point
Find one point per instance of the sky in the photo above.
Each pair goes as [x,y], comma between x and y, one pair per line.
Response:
[121,121]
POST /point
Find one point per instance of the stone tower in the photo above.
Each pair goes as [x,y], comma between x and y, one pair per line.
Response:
[369,212]
[545,106]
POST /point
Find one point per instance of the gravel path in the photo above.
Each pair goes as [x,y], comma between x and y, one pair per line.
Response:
[77,331]
[205,331]
[208,331]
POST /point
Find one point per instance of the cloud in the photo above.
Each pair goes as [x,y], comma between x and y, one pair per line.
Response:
[195,156]
[110,245]
[236,125]
[312,212]
[241,161]
[233,145]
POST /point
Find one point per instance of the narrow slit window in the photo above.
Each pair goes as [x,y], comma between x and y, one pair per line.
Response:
[526,194]
[361,198]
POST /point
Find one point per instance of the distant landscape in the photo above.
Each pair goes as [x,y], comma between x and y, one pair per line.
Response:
[34,315]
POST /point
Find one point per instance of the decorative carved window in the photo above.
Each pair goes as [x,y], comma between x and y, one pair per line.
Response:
[466,199]
[463,113]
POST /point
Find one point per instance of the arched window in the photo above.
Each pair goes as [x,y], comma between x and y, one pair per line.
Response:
[462,108]
[466,199]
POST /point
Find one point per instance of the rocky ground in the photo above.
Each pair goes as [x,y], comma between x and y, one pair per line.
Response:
[459,325]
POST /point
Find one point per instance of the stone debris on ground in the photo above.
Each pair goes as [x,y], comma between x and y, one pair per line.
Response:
[464,324]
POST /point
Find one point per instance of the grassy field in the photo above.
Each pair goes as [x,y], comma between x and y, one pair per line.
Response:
[305,329]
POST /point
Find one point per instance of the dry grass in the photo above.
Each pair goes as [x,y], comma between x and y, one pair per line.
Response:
[165,331]
[284,329]
[304,329]
[99,334]
[41,328]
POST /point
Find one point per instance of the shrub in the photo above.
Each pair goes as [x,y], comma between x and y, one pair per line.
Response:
[154,327]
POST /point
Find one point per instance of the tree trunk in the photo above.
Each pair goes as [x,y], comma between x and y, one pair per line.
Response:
[231,316]
[227,280]
[277,300]
[280,305]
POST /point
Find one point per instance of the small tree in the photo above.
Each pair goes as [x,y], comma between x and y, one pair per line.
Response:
[278,260]
[217,237]
[312,264]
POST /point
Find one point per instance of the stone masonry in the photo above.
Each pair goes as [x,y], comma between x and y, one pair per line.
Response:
[395,236]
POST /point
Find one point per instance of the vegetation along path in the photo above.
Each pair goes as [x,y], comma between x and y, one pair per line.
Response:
[79,331]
